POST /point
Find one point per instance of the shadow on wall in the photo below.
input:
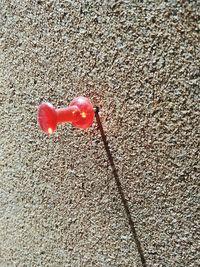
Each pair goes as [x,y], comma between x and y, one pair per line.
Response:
[120,190]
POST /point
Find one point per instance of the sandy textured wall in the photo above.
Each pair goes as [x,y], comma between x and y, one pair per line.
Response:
[59,205]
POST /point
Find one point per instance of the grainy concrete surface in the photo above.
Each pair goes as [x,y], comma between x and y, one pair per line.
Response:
[140,62]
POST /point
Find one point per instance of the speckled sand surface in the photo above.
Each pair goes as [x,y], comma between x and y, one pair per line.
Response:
[140,62]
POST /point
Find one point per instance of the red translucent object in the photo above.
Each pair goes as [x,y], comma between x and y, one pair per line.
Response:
[80,113]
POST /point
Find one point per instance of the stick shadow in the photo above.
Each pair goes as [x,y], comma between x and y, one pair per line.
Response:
[120,190]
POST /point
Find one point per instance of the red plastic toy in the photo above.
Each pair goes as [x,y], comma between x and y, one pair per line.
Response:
[80,113]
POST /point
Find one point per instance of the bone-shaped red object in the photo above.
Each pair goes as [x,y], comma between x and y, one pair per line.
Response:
[80,113]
